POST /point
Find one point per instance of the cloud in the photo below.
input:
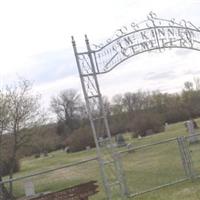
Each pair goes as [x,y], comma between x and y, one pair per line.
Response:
[194,72]
[51,66]
[163,75]
[50,89]
[35,43]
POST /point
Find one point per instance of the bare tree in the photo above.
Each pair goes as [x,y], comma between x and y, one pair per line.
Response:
[197,83]
[24,113]
[188,86]
[4,121]
[68,108]
[117,104]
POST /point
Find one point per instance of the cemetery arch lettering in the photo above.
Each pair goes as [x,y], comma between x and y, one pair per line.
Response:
[152,34]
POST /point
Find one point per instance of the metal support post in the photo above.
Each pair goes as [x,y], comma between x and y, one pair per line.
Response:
[186,157]
[103,139]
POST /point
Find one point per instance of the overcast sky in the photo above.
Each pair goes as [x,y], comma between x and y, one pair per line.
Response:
[35,43]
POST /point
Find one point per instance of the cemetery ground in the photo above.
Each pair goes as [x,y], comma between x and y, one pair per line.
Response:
[144,169]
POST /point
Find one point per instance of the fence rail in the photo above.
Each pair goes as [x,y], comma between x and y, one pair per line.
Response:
[48,171]
[145,168]
[144,176]
[57,179]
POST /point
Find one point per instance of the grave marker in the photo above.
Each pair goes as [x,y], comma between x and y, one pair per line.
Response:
[29,188]
[191,130]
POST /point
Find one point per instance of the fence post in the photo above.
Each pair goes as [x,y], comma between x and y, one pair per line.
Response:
[4,194]
[122,175]
[186,157]
[1,191]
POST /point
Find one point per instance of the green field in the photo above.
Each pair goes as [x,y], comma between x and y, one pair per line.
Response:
[144,168]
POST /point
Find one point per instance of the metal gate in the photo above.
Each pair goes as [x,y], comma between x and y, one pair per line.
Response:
[142,176]
[153,34]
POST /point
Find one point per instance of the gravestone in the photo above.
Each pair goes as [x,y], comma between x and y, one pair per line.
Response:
[88,148]
[190,125]
[139,137]
[100,141]
[29,188]
[130,146]
[166,126]
[120,141]
[67,149]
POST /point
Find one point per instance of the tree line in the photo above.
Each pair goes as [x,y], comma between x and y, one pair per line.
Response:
[141,112]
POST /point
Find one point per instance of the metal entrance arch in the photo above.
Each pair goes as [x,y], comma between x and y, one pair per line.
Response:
[150,35]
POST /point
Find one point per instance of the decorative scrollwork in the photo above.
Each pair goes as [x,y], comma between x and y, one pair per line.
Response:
[151,16]
[134,26]
[152,21]
[151,34]
[172,22]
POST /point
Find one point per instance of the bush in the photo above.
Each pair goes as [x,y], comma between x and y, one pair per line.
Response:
[6,161]
[6,166]
[80,139]
[118,123]
[47,141]
[148,123]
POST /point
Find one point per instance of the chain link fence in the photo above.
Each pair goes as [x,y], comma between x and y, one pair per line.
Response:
[193,145]
[54,180]
[143,168]
[153,166]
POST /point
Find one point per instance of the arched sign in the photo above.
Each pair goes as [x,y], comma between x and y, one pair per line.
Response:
[149,35]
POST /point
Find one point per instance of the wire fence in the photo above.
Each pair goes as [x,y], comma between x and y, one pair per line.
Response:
[153,166]
[193,143]
[145,168]
[54,180]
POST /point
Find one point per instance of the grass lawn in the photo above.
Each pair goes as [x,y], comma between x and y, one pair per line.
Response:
[144,168]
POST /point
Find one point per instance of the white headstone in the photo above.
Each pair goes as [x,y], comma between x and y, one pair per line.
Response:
[166,126]
[29,188]
[190,127]
[130,145]
[139,137]
[88,148]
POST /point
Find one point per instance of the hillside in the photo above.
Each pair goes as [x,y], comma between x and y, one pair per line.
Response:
[158,164]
